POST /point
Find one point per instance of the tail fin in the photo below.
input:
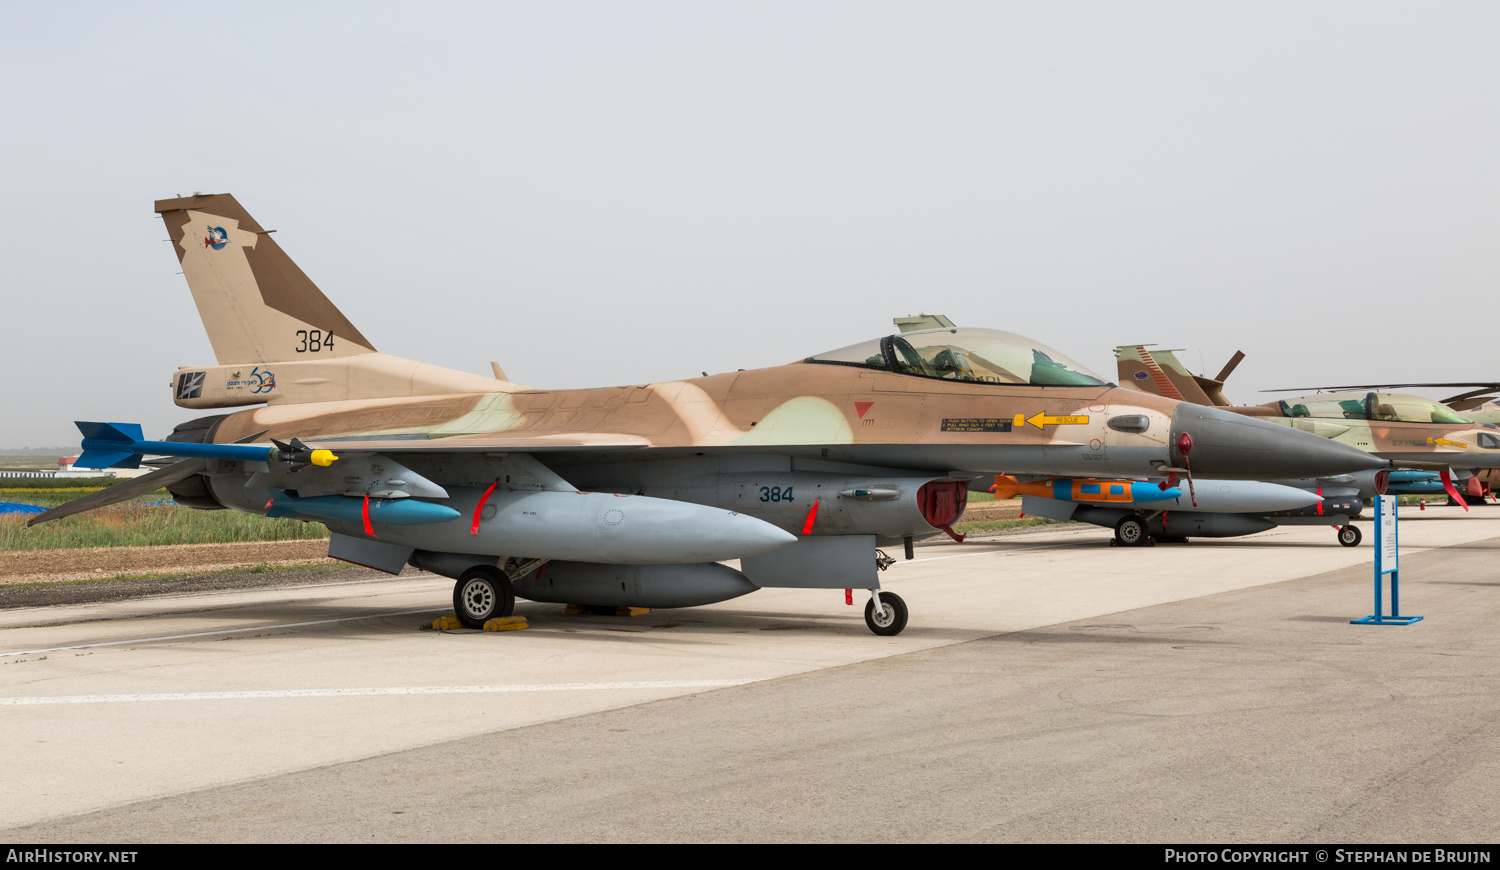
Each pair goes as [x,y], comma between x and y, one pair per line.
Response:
[256,305]
[1158,372]
[110,445]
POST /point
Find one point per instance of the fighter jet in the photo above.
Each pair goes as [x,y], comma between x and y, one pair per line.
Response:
[1478,404]
[634,495]
[1414,432]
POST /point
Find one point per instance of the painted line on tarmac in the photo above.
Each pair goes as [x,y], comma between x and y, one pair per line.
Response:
[1008,552]
[28,652]
[362,693]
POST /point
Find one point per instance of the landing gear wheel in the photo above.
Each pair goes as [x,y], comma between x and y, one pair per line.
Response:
[1350,536]
[892,616]
[1131,532]
[482,593]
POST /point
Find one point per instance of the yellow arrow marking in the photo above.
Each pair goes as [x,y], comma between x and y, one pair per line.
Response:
[1041,419]
[1445,441]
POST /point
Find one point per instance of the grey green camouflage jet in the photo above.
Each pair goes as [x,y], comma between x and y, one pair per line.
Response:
[632,496]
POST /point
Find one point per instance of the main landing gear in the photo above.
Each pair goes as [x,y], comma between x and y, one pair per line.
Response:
[483,593]
[1131,532]
[1350,536]
[885,613]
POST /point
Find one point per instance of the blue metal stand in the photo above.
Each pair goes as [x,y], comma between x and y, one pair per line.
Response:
[1387,553]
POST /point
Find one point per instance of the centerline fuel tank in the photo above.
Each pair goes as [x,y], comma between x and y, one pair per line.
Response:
[598,584]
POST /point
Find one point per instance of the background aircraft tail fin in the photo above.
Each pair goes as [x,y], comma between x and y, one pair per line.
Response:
[1160,373]
[256,305]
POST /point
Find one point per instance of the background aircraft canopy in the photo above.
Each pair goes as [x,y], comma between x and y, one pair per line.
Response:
[962,354]
[1388,407]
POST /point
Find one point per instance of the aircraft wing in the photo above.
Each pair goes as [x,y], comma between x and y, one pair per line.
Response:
[157,479]
[489,442]
[1488,386]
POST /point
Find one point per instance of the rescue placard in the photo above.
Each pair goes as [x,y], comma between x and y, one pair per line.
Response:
[975,424]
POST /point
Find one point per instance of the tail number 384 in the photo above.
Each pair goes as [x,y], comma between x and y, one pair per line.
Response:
[313,340]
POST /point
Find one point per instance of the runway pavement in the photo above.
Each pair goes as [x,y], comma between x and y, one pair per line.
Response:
[1049,687]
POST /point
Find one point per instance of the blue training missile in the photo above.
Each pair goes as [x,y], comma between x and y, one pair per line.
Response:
[121,445]
[1414,483]
[386,511]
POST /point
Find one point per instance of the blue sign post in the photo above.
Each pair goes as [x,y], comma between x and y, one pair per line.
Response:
[1387,561]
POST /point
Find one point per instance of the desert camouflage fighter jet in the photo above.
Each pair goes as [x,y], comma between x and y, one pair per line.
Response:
[1434,442]
[632,496]
[1477,404]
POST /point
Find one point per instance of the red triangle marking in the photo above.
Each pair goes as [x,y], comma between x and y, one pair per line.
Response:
[1383,432]
[862,408]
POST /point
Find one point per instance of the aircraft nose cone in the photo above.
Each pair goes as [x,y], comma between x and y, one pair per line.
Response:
[1235,446]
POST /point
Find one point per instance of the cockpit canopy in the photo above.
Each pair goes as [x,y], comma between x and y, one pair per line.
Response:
[1387,407]
[981,356]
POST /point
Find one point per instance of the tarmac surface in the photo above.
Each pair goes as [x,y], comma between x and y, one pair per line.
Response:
[1048,688]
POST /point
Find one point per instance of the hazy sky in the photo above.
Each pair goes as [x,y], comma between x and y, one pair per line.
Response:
[608,193]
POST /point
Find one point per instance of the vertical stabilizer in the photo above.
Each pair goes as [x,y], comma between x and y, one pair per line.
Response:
[1158,372]
[256,305]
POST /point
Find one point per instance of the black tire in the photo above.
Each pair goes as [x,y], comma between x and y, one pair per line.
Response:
[892,617]
[482,593]
[1350,536]
[1131,532]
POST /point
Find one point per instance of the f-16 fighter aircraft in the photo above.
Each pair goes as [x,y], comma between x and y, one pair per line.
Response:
[633,495]
[1414,432]
[1477,404]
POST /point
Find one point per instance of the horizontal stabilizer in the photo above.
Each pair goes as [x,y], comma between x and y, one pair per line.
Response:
[123,491]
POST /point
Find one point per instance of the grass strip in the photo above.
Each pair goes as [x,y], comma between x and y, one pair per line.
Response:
[260,568]
[1000,525]
[30,483]
[147,525]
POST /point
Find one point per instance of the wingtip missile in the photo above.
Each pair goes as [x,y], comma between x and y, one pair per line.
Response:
[122,445]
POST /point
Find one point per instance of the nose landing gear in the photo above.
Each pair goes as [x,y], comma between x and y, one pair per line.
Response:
[885,613]
[1350,536]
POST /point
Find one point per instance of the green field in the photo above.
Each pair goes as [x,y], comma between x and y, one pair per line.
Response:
[139,522]
[1000,525]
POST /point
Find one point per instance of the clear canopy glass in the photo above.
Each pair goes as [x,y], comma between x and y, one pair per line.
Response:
[1386,407]
[984,356]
